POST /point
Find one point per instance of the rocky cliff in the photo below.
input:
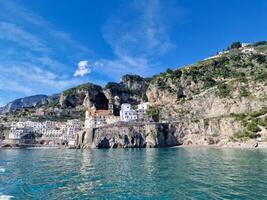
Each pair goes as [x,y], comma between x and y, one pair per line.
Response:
[31,101]
[219,99]
[218,91]
[125,135]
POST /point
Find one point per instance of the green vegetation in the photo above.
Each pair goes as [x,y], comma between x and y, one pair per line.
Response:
[251,123]
[244,92]
[253,127]
[136,78]
[235,45]
[261,112]
[153,113]
[233,66]
[244,135]
[3,131]
[85,87]
[223,90]
[260,43]
[239,117]
[260,76]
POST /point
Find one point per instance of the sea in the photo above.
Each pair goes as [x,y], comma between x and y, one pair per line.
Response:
[165,173]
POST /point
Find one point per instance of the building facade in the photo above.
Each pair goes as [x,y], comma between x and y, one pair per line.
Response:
[127,113]
[96,118]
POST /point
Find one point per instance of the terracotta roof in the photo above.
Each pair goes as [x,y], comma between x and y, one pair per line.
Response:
[99,113]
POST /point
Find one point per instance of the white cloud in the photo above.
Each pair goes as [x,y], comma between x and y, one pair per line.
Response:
[83,68]
[12,32]
[34,54]
[137,41]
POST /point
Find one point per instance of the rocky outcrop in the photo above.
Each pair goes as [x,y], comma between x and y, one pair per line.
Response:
[206,131]
[198,102]
[133,135]
[83,96]
[30,101]
[131,89]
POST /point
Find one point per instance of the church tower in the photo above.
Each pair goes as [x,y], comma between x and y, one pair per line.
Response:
[110,106]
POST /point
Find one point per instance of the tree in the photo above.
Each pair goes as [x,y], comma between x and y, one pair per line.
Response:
[236,45]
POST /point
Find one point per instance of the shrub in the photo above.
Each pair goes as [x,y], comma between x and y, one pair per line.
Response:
[258,58]
[259,113]
[223,90]
[238,117]
[208,82]
[236,45]
[260,43]
[153,113]
[244,93]
[169,71]
[245,134]
[253,127]
[260,76]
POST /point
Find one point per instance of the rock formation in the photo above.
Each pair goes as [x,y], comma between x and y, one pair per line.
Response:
[133,135]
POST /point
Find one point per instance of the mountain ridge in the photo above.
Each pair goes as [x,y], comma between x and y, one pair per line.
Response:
[221,97]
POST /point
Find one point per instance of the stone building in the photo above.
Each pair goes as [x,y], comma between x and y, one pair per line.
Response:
[96,118]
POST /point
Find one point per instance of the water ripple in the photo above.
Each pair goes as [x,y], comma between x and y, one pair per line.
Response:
[188,173]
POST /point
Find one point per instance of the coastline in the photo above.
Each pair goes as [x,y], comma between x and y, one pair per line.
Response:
[234,145]
[230,145]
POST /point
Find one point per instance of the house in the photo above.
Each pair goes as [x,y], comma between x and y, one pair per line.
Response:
[127,113]
[73,126]
[143,106]
[141,110]
[19,133]
[96,118]
[248,50]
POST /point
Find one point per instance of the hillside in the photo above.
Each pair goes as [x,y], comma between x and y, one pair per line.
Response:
[220,98]
[215,99]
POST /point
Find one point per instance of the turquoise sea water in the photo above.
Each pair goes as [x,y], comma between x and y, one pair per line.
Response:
[177,173]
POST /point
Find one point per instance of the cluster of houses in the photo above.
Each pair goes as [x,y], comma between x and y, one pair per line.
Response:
[49,129]
[67,130]
[97,118]
[245,48]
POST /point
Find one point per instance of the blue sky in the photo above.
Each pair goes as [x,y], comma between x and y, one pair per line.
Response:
[47,46]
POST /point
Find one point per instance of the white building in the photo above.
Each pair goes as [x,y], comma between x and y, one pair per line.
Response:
[96,118]
[73,126]
[127,113]
[248,50]
[143,106]
[141,110]
[245,44]
[18,133]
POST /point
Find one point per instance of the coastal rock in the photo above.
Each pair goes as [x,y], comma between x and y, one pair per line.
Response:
[137,135]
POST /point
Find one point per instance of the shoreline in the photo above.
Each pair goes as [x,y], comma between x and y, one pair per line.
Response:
[237,145]
[249,144]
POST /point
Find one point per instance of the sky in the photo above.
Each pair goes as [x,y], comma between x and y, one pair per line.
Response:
[47,46]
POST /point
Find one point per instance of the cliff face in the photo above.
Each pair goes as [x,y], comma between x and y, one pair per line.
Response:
[137,135]
[25,102]
[218,91]
[220,98]
[131,89]
[83,96]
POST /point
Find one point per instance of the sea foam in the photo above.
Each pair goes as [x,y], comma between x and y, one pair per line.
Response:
[5,197]
[2,170]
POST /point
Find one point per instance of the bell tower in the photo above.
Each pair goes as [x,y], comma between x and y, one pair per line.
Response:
[110,106]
